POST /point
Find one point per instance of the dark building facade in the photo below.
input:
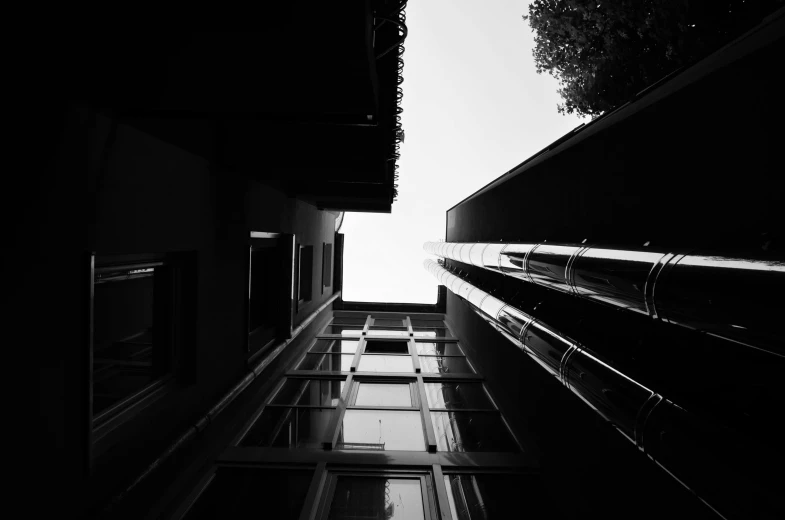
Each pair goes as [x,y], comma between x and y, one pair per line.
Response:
[623,287]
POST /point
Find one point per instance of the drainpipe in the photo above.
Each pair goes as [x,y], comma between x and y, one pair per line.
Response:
[737,299]
[221,405]
[701,453]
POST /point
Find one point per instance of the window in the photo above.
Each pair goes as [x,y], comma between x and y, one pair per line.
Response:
[264,273]
[327,265]
[362,397]
[304,274]
[141,319]
[496,495]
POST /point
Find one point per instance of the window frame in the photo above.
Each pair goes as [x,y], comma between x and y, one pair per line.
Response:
[180,320]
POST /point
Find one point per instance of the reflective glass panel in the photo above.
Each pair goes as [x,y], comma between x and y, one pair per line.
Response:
[311,392]
[235,491]
[348,321]
[469,431]
[495,496]
[445,365]
[427,323]
[382,322]
[422,332]
[455,396]
[335,346]
[386,347]
[381,430]
[342,330]
[283,427]
[374,498]
[383,394]
[371,363]
[327,362]
[388,332]
[438,349]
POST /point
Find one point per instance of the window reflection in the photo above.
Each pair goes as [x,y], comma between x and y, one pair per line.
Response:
[377,498]
[456,396]
[438,349]
[343,330]
[494,496]
[327,362]
[445,365]
[283,427]
[382,322]
[349,321]
[310,392]
[335,346]
[388,332]
[422,332]
[381,430]
[383,394]
[469,431]
[372,363]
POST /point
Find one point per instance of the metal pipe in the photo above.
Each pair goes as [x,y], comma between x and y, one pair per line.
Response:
[729,297]
[221,405]
[697,451]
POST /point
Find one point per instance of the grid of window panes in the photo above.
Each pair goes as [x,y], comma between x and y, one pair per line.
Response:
[382,383]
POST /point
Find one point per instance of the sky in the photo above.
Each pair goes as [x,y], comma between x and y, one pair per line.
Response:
[473,108]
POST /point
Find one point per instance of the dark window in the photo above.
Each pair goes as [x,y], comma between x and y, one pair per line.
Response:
[310,392]
[374,346]
[138,310]
[327,265]
[471,431]
[495,496]
[234,492]
[305,274]
[285,427]
[264,291]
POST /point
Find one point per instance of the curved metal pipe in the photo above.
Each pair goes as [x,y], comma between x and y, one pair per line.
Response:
[685,445]
[733,298]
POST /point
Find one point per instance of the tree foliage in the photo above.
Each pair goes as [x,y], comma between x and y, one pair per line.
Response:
[605,51]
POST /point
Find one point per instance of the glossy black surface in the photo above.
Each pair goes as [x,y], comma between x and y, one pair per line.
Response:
[471,431]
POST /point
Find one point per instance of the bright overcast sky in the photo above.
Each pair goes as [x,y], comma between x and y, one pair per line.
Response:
[473,108]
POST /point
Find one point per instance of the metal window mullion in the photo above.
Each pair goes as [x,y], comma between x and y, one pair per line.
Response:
[368,322]
[329,444]
[357,354]
[425,414]
[414,355]
[442,498]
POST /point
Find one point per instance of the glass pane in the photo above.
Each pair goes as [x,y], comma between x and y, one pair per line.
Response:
[313,392]
[127,355]
[494,496]
[455,396]
[382,394]
[335,346]
[381,430]
[386,347]
[235,491]
[348,330]
[381,322]
[422,332]
[377,498]
[467,431]
[370,363]
[445,365]
[439,349]
[427,323]
[348,321]
[327,362]
[284,427]
[388,332]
